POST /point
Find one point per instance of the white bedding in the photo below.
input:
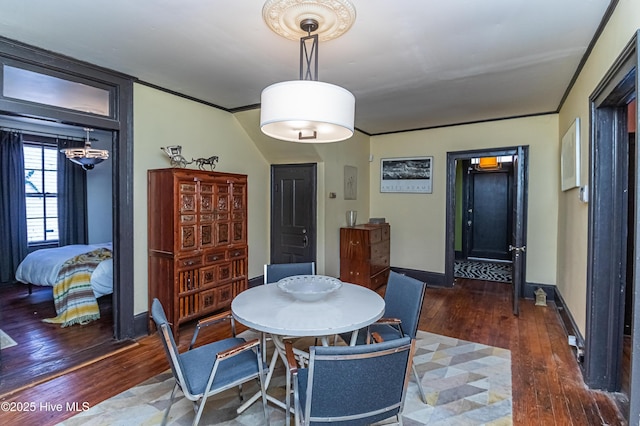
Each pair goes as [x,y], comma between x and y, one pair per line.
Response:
[41,267]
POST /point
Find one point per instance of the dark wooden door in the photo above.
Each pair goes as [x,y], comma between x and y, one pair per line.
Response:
[631,237]
[293,213]
[488,212]
[519,232]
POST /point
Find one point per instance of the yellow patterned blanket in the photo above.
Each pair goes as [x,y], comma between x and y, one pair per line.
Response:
[72,294]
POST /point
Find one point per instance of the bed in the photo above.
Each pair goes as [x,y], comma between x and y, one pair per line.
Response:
[41,267]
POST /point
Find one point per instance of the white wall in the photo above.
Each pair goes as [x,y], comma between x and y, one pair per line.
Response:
[573,215]
[418,220]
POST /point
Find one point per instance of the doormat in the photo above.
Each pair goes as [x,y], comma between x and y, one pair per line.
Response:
[486,271]
[466,383]
[6,341]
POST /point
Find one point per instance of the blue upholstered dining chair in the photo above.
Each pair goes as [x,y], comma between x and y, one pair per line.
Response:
[274,272]
[354,384]
[403,299]
[212,368]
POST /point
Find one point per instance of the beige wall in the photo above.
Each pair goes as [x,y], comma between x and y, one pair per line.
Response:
[331,159]
[161,119]
[573,215]
[352,152]
[418,220]
[557,221]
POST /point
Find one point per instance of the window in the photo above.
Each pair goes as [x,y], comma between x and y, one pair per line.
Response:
[41,187]
[38,87]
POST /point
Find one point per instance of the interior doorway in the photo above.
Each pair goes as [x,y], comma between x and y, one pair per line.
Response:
[487,201]
[117,123]
[516,199]
[293,213]
[613,302]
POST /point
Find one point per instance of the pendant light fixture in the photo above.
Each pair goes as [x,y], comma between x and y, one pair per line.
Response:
[307,110]
[87,157]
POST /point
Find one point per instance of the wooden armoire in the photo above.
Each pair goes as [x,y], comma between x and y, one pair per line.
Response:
[197,241]
[364,254]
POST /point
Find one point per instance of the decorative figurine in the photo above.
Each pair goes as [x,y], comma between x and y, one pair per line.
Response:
[174,152]
[541,297]
[201,162]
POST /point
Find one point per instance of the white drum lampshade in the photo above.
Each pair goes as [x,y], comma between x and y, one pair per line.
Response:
[307,111]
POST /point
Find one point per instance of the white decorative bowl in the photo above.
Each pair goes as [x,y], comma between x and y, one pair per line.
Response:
[309,288]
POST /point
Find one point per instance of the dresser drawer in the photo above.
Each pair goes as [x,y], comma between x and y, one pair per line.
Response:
[217,297]
[386,232]
[237,253]
[215,256]
[189,262]
[379,250]
[379,279]
[378,264]
[375,235]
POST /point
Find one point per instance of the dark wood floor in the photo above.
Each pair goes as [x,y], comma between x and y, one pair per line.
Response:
[45,350]
[547,384]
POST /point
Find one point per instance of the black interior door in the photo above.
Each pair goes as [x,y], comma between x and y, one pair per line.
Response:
[488,212]
[631,236]
[519,231]
[293,213]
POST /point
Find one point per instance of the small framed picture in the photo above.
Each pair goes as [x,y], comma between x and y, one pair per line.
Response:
[570,157]
[350,183]
[409,174]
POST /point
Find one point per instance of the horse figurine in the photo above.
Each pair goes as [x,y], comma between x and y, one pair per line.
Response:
[202,162]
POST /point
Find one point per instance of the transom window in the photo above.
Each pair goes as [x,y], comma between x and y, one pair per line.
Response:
[41,88]
[41,188]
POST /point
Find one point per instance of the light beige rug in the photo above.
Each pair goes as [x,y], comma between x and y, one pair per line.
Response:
[6,341]
[466,384]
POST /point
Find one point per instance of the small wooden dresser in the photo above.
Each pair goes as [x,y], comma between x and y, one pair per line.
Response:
[364,254]
[197,241]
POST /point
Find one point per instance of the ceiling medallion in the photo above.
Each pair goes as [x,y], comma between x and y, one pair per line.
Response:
[334,17]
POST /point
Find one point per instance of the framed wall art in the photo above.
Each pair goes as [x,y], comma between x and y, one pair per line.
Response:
[570,157]
[409,174]
[350,183]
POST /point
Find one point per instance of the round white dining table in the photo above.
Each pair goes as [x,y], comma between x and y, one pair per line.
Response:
[268,309]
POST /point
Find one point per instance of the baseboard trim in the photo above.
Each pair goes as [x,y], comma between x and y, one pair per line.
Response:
[141,325]
[256,281]
[531,288]
[570,327]
[433,279]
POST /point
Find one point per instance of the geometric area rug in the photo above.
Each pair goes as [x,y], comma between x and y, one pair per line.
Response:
[466,384]
[482,270]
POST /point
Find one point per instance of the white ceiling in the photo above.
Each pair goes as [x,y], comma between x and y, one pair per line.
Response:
[410,63]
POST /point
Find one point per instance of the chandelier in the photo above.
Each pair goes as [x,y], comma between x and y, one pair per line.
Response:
[307,110]
[87,157]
